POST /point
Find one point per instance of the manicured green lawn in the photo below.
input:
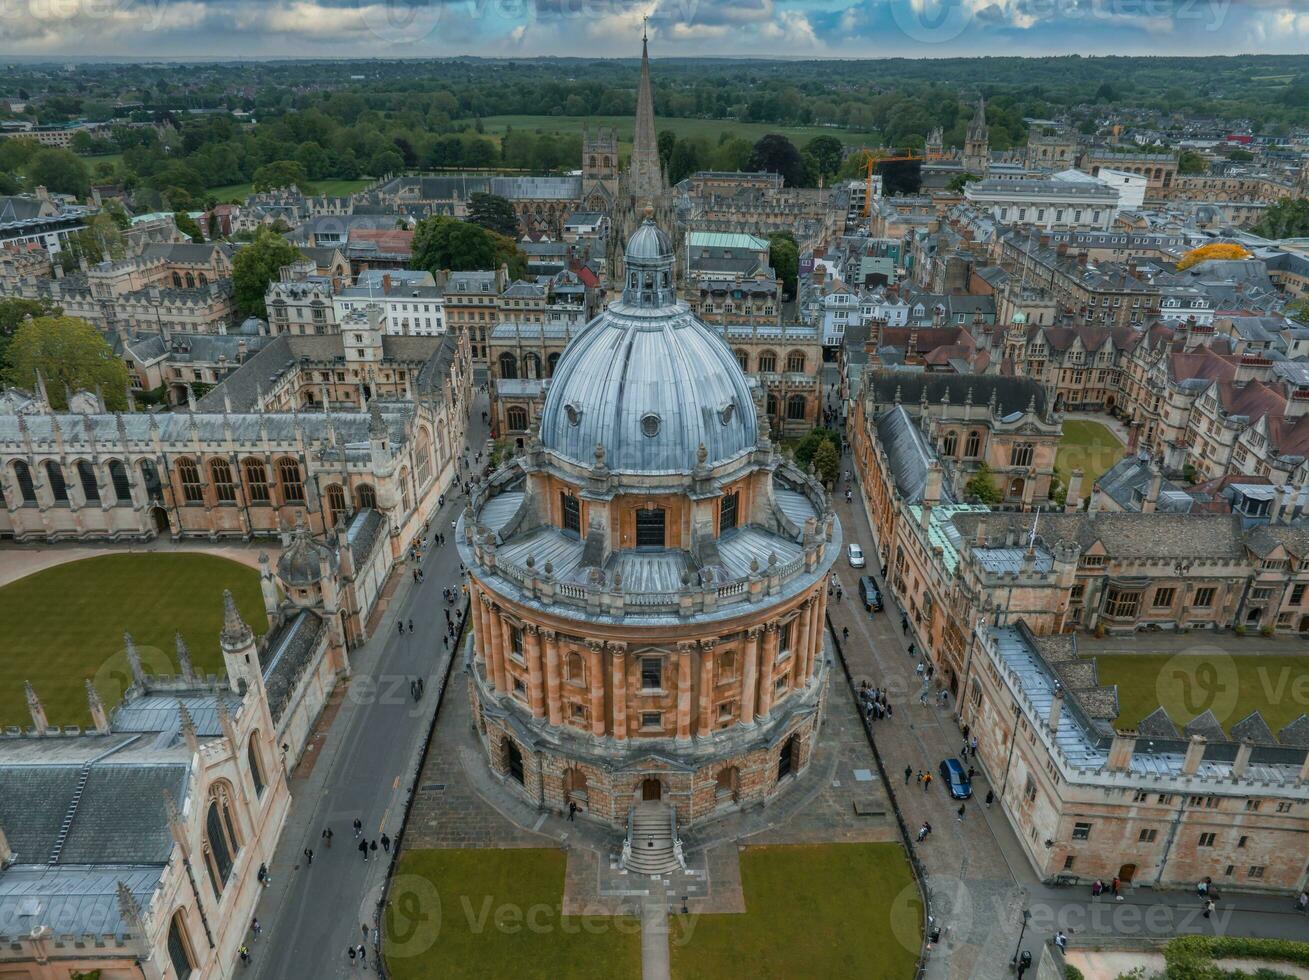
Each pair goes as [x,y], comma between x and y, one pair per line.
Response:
[496,913]
[1090,447]
[827,910]
[239,192]
[66,623]
[708,128]
[1188,684]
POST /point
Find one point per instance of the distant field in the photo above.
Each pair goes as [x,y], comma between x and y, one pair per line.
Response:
[708,128]
[239,192]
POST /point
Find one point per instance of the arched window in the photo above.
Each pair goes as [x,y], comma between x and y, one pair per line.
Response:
[220,472]
[256,480]
[154,489]
[950,444]
[177,280]
[202,279]
[516,418]
[574,668]
[54,473]
[335,504]
[531,366]
[795,362]
[256,770]
[973,445]
[121,483]
[288,474]
[179,946]
[508,366]
[406,498]
[90,485]
[365,497]
[743,359]
[767,362]
[25,486]
[189,475]
[795,407]
[221,844]
[423,460]
[770,405]
[551,363]
[190,281]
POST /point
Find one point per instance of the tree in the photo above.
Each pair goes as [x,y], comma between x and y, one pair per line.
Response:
[825,152]
[494,213]
[71,355]
[1298,310]
[665,141]
[1190,162]
[827,462]
[981,486]
[1286,218]
[684,160]
[279,174]
[809,445]
[1240,156]
[256,265]
[959,181]
[101,239]
[443,243]
[59,171]
[785,257]
[187,226]
[777,154]
[386,161]
[1207,253]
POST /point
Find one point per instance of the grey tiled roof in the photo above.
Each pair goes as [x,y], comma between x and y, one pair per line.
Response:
[906,452]
[362,535]
[1157,724]
[1205,725]
[79,901]
[284,656]
[1253,727]
[1012,394]
[1296,733]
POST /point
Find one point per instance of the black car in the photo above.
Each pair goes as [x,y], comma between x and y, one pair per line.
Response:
[870,594]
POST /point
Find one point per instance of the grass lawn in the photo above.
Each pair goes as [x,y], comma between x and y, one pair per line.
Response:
[239,192]
[496,913]
[828,910]
[1090,447]
[708,128]
[66,623]
[1188,684]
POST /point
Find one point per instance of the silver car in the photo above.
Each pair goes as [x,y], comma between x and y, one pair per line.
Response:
[856,556]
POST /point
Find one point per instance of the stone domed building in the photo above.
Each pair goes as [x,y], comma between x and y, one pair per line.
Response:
[648,577]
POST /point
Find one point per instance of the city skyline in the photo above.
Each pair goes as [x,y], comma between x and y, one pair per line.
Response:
[208,29]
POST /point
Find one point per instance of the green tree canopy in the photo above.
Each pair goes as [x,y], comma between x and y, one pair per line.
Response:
[827,462]
[777,154]
[494,213]
[784,255]
[981,485]
[278,174]
[71,355]
[443,243]
[1190,162]
[256,265]
[187,226]
[959,181]
[1287,218]
[59,171]
[825,152]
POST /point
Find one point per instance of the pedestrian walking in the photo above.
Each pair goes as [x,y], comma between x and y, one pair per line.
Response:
[927,781]
[971,773]
[411,626]
[413,690]
[990,798]
[352,954]
[1302,902]
[1061,940]
[363,955]
[359,826]
[845,633]
[373,846]
[386,844]
[1208,907]
[1117,886]
[420,687]
[908,771]
[972,746]
[572,810]
[364,926]
[255,927]
[415,575]
[1097,888]
[309,856]
[327,837]
[244,952]
[922,832]
[264,876]
[402,628]
[363,849]
[960,811]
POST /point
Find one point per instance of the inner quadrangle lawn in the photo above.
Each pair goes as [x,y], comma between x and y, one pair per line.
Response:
[497,913]
[812,911]
[1188,684]
[1090,447]
[66,623]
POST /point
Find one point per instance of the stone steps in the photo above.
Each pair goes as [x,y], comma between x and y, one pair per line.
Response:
[652,841]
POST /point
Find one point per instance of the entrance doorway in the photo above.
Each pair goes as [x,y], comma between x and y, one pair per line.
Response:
[651,789]
[513,760]
[160,517]
[786,758]
[1126,872]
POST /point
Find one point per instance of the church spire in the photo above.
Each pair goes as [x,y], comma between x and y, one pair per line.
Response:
[646,178]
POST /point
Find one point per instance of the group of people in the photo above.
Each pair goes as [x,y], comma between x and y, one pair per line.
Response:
[834,587]
[1098,888]
[873,702]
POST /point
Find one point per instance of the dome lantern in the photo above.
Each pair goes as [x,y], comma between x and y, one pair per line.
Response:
[648,262]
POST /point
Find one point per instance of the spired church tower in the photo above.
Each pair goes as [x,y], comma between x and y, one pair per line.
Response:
[977,143]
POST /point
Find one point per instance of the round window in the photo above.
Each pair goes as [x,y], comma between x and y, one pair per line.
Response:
[574,414]
[726,412]
[650,425]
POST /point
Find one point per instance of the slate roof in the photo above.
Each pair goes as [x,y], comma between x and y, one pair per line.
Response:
[1157,724]
[285,654]
[1253,727]
[1296,732]
[1205,725]
[907,453]
[1012,394]
[72,901]
[1128,535]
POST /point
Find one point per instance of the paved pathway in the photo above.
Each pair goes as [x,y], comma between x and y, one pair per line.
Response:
[367,757]
[20,560]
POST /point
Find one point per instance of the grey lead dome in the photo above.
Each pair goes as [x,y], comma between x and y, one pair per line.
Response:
[647,380]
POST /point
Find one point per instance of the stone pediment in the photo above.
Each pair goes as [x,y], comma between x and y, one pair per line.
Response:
[654,762]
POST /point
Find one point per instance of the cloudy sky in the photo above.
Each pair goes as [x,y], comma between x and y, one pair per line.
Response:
[610,28]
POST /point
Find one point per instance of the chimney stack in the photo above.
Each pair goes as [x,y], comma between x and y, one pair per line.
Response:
[1242,758]
[1194,755]
[1120,751]
[1056,709]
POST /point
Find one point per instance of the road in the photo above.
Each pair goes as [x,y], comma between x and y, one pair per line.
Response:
[312,912]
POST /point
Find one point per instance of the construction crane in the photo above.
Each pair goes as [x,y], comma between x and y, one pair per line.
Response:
[876,157]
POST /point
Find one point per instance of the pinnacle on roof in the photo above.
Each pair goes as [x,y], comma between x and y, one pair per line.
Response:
[235,631]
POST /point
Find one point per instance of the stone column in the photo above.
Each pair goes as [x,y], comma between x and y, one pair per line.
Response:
[553,678]
[480,632]
[684,690]
[535,671]
[819,627]
[596,665]
[617,653]
[767,661]
[497,671]
[706,687]
[802,634]
[749,675]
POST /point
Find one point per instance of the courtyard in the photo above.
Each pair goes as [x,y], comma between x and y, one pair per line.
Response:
[1089,446]
[66,623]
[1188,684]
[498,913]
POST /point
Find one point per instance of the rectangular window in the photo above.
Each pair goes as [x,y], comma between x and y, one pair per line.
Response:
[1068,863]
[1284,808]
[727,512]
[572,512]
[784,640]
[652,673]
[1163,598]
[1081,831]
[650,528]
[1147,836]
[1204,598]
[1140,796]
[1206,840]
[1122,604]
[1252,805]
[1297,594]
[652,720]
[516,642]
[1241,842]
[725,711]
[1256,871]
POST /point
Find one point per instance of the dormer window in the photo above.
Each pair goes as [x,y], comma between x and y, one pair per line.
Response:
[726,413]
[573,413]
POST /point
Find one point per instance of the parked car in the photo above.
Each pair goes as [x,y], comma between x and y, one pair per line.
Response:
[870,593]
[856,555]
[956,779]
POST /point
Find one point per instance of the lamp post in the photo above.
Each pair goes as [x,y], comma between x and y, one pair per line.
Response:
[1021,932]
